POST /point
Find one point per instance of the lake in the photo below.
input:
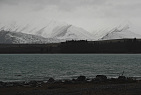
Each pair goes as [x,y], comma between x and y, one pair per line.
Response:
[26,67]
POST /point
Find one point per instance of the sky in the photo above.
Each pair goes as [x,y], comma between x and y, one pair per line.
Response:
[91,15]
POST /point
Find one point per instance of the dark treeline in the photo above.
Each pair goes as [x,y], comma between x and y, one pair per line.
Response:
[106,46]
[82,46]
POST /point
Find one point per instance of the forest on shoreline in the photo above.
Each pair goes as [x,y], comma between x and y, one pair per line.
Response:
[81,46]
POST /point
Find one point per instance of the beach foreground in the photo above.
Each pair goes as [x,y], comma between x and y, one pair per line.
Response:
[80,86]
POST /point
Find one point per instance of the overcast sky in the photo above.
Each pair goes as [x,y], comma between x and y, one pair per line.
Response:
[89,14]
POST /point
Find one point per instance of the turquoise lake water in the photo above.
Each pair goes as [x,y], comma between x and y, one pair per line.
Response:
[26,67]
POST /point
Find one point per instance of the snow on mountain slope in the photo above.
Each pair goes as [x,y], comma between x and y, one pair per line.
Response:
[48,29]
[120,33]
[71,32]
[8,37]
[39,27]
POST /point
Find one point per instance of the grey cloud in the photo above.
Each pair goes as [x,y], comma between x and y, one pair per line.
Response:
[9,2]
[73,4]
[108,8]
[62,4]
[125,9]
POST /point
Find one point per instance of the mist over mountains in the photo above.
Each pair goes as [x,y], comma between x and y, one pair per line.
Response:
[49,31]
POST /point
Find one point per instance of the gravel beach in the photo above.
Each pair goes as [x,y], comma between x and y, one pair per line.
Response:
[80,86]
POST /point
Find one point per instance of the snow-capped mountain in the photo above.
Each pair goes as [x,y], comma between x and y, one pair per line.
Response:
[8,37]
[120,33]
[71,32]
[48,29]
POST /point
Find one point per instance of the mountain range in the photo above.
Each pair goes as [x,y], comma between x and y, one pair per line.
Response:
[123,33]
[44,31]
[7,37]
